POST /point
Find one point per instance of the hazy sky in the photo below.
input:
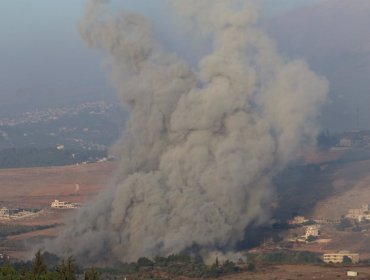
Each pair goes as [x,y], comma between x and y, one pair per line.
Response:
[42,56]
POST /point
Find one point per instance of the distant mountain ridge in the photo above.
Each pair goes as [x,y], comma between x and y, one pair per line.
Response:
[334,37]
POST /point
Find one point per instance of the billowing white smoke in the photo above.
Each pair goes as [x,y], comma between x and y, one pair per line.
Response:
[201,146]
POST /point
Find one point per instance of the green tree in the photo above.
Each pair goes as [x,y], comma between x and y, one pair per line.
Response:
[38,266]
[276,238]
[144,262]
[311,238]
[229,266]
[347,260]
[7,272]
[251,267]
[92,274]
[70,269]
[344,224]
[217,263]
[61,269]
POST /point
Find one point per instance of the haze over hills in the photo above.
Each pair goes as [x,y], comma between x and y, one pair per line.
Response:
[14,102]
[91,125]
[216,157]
[333,37]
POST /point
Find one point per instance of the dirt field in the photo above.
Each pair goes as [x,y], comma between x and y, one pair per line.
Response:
[37,187]
[301,272]
[352,188]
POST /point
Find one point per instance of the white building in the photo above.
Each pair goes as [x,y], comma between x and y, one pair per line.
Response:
[64,205]
[345,142]
[60,147]
[298,220]
[359,213]
[352,274]
[338,257]
[312,231]
[4,212]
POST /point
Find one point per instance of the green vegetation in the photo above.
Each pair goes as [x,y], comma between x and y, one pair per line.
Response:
[92,274]
[38,270]
[344,224]
[34,157]
[347,260]
[326,140]
[7,272]
[311,238]
[173,265]
[48,267]
[284,257]
[309,223]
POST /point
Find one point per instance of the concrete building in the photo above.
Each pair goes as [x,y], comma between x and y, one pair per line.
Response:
[364,218]
[365,207]
[4,212]
[312,231]
[297,220]
[60,147]
[352,274]
[359,213]
[338,257]
[345,142]
[64,205]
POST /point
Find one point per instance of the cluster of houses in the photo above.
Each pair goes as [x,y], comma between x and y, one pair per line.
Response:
[360,214]
[313,232]
[7,214]
[354,139]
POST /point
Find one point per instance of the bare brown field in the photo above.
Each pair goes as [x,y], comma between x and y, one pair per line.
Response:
[302,272]
[314,156]
[37,187]
[50,232]
[351,184]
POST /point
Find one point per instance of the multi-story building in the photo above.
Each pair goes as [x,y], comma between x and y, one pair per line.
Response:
[339,257]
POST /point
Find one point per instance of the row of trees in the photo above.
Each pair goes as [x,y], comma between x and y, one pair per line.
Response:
[285,257]
[158,268]
[65,270]
[174,265]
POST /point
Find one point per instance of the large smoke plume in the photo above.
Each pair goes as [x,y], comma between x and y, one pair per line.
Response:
[201,145]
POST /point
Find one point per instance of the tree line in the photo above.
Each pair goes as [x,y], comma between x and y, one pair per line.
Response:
[65,270]
[144,268]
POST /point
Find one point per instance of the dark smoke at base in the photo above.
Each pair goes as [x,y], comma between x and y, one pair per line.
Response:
[201,146]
